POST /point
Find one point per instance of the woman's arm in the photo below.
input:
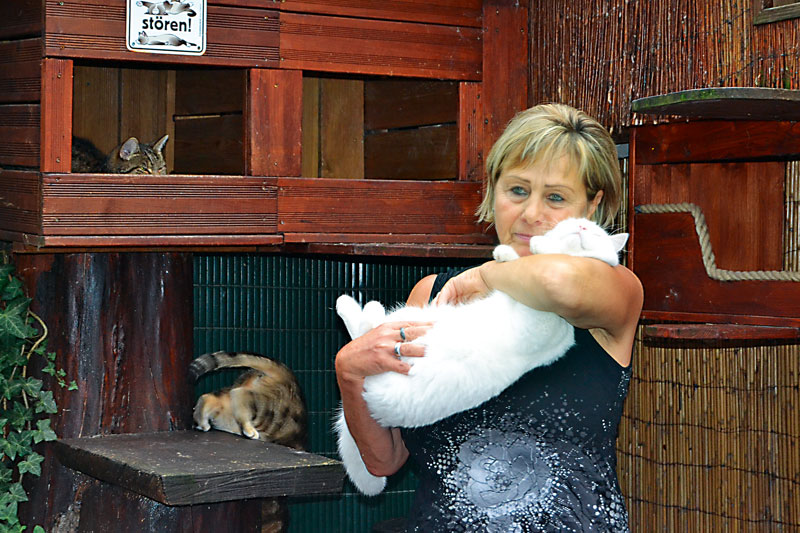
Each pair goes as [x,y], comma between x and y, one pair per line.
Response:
[382,449]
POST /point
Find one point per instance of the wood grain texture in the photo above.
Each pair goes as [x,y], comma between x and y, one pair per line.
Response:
[341,128]
[428,153]
[310,127]
[470,132]
[21,200]
[209,144]
[20,18]
[447,12]
[96,29]
[725,103]
[273,122]
[719,332]
[391,104]
[361,46]
[96,105]
[209,91]
[191,467]
[19,135]
[20,70]
[56,116]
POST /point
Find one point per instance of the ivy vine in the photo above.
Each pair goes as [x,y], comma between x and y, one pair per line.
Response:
[25,405]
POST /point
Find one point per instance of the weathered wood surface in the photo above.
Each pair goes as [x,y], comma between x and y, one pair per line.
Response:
[20,18]
[211,144]
[719,332]
[19,135]
[470,132]
[448,12]
[20,208]
[391,104]
[191,467]
[20,70]
[429,153]
[667,259]
[727,103]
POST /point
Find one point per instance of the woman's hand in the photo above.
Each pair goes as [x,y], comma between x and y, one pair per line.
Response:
[465,287]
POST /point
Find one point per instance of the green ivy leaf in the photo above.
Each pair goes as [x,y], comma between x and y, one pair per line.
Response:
[38,529]
[31,465]
[20,415]
[46,403]
[16,444]
[13,289]
[17,492]
[18,306]
[72,385]
[32,386]
[44,431]
[8,512]
[14,325]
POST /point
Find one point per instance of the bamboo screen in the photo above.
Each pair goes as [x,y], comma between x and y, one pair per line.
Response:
[599,56]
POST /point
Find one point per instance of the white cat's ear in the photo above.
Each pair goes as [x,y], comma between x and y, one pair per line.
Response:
[128,148]
[350,312]
[374,314]
[619,241]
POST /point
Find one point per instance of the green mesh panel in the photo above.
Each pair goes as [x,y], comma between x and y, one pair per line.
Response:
[283,306]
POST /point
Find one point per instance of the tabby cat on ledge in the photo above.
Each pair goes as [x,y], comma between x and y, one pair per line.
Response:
[264,403]
[130,157]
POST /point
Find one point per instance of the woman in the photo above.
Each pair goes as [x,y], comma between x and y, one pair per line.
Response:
[540,456]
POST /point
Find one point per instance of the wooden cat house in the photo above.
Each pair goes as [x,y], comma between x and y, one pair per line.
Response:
[708,197]
[311,127]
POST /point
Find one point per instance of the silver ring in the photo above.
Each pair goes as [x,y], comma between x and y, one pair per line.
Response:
[397,348]
[403,334]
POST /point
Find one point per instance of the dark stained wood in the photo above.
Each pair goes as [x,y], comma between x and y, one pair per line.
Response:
[144,110]
[362,46]
[20,18]
[430,239]
[745,222]
[191,467]
[719,332]
[341,128]
[449,12]
[87,204]
[56,116]
[377,249]
[392,104]
[19,135]
[310,127]
[504,89]
[668,262]
[209,145]
[732,140]
[21,200]
[274,115]
[94,29]
[470,132]
[377,206]
[209,91]
[20,70]
[413,154]
[726,103]
[96,106]
[25,242]
[788,10]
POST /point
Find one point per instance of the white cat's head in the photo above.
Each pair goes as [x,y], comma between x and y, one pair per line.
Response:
[580,237]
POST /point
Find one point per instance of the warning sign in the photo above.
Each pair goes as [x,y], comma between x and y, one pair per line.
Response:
[167,27]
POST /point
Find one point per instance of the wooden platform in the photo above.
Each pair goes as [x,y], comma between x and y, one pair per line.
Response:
[192,467]
[728,103]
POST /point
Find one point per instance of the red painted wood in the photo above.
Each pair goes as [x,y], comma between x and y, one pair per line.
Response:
[373,238]
[470,132]
[362,46]
[56,116]
[717,140]
[395,103]
[19,135]
[719,332]
[449,12]
[20,70]
[273,122]
[454,251]
[20,210]
[668,262]
[506,58]
[20,18]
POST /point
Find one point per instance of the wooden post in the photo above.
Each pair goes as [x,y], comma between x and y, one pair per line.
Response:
[470,132]
[56,117]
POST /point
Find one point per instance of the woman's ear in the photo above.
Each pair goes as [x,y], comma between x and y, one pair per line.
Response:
[593,203]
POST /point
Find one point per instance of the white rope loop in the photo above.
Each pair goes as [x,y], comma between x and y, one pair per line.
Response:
[709,261]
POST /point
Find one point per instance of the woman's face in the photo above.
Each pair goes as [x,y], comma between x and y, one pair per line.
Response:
[530,200]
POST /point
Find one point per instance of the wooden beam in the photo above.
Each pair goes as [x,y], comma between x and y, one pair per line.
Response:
[447,12]
[20,18]
[311,123]
[20,135]
[273,122]
[470,132]
[20,71]
[56,119]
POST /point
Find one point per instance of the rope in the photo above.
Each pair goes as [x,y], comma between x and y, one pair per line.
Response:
[708,254]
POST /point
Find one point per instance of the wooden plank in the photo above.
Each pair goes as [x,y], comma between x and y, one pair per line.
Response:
[745,223]
[378,249]
[209,145]
[361,46]
[341,128]
[19,135]
[669,264]
[376,206]
[470,132]
[725,103]
[209,91]
[448,12]
[431,239]
[20,201]
[143,104]
[719,332]
[96,106]
[20,70]
[273,121]
[238,243]
[20,18]
[191,467]
[412,154]
[92,204]
[392,104]
[96,29]
[310,128]
[733,140]
[506,53]
[56,116]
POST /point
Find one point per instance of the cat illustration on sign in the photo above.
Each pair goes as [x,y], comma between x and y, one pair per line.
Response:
[167,8]
[164,38]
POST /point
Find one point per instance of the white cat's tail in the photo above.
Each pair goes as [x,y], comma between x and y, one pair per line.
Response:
[353,464]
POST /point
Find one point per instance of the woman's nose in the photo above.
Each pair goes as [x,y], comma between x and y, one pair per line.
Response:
[532,211]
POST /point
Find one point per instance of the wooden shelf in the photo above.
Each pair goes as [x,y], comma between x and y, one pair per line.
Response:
[192,467]
[729,103]
[715,332]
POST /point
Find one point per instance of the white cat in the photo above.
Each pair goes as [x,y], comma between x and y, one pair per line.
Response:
[472,352]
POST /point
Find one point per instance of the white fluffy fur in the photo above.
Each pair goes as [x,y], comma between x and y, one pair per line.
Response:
[473,351]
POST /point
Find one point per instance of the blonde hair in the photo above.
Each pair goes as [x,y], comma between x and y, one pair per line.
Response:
[547,132]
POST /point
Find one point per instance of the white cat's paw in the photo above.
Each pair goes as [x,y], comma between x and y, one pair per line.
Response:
[350,312]
[504,253]
[374,314]
[250,432]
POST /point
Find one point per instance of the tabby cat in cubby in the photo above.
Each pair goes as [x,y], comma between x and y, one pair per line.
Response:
[130,157]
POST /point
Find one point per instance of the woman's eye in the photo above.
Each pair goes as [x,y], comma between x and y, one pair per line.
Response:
[555,198]
[518,191]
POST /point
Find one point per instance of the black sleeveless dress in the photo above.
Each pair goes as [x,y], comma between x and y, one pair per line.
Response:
[540,456]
